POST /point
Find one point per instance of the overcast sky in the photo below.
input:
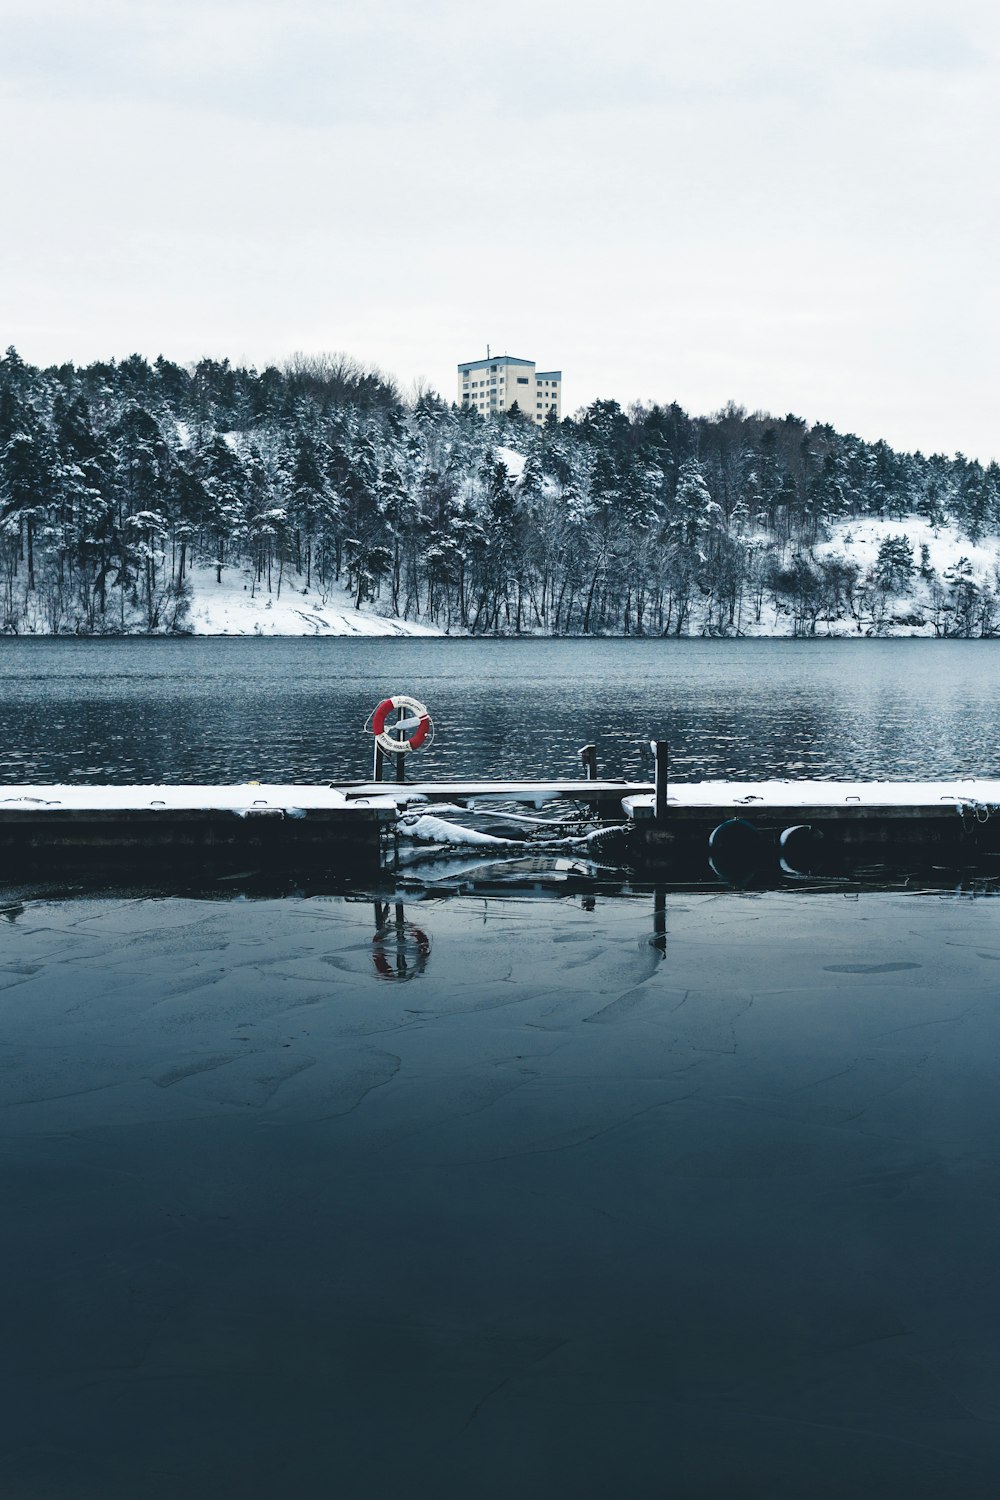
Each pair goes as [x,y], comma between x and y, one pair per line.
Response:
[792,206]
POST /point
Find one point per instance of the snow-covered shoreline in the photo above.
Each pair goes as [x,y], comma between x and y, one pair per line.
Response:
[916,606]
[947,571]
[239,605]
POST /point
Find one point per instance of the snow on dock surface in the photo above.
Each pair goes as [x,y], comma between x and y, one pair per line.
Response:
[636,800]
[743,796]
[236,799]
[696,794]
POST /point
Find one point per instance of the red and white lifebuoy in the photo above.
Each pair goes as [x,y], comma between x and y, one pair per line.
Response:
[397,743]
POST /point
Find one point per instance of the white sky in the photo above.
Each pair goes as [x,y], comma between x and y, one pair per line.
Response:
[791,204]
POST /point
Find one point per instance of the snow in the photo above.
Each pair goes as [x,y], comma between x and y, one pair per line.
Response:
[240,606]
[972,796]
[859,541]
[513,460]
[250,798]
[430,830]
[741,796]
[912,612]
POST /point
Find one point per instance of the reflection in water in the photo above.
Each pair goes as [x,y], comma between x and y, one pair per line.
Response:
[400,949]
[659,938]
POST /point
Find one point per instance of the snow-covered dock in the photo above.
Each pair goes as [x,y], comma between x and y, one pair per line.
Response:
[348,829]
[809,822]
[351,828]
[835,799]
[676,826]
[49,824]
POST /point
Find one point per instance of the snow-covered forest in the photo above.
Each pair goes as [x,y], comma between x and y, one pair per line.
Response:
[121,482]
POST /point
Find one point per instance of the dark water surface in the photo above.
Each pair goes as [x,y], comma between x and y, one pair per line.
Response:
[663,1194]
[247,709]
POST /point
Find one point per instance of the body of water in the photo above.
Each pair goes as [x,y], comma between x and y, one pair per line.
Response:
[661,1194]
[247,709]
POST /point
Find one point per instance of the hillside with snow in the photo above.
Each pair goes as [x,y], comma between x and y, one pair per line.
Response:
[338,508]
[240,605]
[872,577]
[869,577]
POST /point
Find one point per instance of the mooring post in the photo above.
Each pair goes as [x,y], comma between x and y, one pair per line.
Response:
[379,763]
[661,751]
[588,755]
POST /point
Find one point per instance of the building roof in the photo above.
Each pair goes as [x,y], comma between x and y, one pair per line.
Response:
[548,375]
[495,359]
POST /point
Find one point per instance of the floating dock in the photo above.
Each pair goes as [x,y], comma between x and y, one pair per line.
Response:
[809,824]
[352,828]
[206,825]
[662,829]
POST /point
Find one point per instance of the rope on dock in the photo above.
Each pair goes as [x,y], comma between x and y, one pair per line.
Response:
[972,813]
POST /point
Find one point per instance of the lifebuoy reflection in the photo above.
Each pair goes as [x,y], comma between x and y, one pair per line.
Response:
[400,949]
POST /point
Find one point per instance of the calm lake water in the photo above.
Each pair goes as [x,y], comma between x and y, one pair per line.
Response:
[593,1197]
[244,709]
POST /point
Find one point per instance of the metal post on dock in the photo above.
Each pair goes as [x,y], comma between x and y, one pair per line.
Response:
[661,751]
[588,755]
[400,756]
[378,768]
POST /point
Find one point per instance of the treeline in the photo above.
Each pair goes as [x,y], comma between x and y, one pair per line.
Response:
[117,478]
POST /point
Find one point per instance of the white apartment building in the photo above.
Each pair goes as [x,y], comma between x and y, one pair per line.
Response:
[494,384]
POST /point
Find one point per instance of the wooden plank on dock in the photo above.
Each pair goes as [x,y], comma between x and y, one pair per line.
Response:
[536,793]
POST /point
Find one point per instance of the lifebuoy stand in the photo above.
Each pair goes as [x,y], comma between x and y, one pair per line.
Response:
[398,746]
[378,767]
